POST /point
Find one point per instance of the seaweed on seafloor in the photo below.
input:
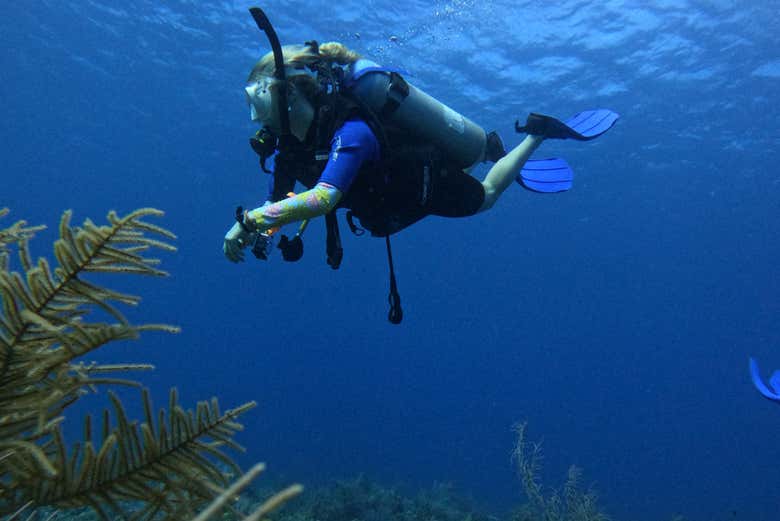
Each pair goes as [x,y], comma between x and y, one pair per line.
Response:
[168,466]
[571,503]
[360,499]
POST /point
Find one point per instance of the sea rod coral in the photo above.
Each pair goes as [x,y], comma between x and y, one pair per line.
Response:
[168,466]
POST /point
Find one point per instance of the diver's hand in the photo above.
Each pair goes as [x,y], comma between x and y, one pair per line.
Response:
[236,239]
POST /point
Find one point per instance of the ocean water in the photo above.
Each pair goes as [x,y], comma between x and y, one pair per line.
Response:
[616,318]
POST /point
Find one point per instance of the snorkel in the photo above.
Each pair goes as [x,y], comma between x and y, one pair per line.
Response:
[284,118]
[265,144]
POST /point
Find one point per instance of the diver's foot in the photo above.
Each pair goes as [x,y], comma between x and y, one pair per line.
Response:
[583,126]
[544,126]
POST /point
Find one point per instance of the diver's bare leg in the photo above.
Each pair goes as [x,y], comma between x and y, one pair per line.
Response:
[506,169]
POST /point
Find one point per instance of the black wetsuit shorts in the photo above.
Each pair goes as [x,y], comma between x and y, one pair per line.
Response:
[419,184]
[454,193]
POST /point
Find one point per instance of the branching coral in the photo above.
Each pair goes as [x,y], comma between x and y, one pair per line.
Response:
[569,504]
[166,467]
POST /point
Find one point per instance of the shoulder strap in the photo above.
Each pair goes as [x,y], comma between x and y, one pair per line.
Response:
[332,111]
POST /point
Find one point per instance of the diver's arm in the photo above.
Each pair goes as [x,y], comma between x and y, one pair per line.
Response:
[352,145]
[309,204]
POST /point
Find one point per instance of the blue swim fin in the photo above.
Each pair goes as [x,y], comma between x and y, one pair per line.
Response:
[771,391]
[546,175]
[583,126]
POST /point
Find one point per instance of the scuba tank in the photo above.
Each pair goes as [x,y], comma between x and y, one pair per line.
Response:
[405,106]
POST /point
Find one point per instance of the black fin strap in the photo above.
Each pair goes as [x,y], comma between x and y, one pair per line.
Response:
[396,314]
[333,248]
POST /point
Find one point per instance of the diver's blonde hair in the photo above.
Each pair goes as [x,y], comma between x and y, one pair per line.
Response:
[301,56]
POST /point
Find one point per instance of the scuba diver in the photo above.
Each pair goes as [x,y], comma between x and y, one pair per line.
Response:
[358,136]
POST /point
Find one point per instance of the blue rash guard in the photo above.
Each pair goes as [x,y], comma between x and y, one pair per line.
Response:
[352,145]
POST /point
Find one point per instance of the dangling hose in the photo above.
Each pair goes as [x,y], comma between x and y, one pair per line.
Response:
[396,314]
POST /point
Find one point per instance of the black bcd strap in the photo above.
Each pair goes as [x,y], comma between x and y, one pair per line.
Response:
[333,248]
[397,91]
[396,313]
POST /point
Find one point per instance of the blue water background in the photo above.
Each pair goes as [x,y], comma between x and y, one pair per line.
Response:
[617,318]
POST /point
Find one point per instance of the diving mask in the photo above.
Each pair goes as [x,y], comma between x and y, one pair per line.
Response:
[261,103]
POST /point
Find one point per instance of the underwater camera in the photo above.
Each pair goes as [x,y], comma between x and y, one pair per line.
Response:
[263,245]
